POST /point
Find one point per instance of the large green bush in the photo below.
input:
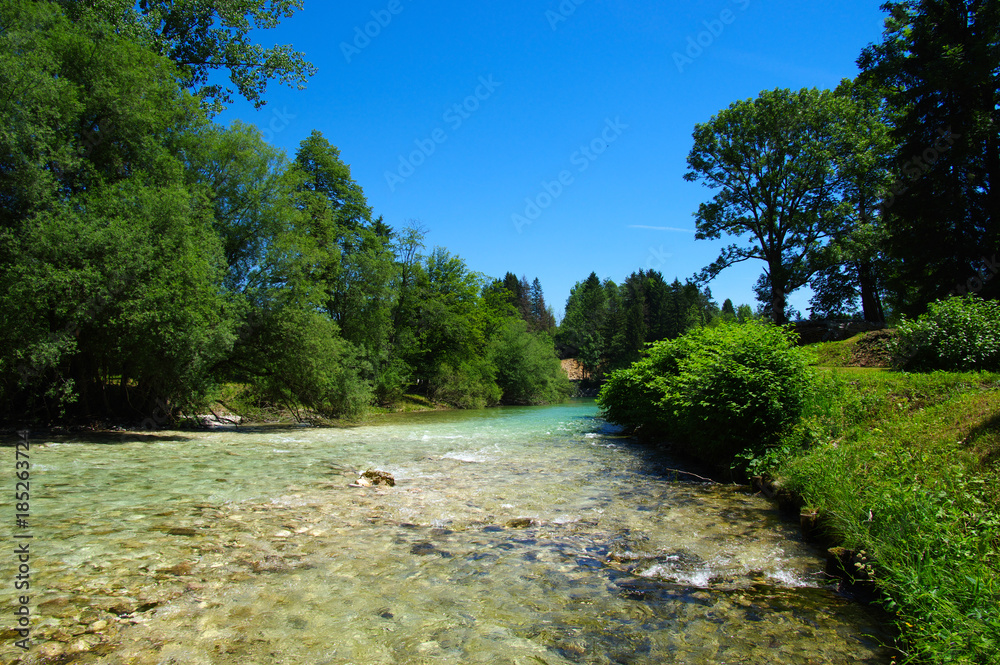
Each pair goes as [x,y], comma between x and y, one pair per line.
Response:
[961,333]
[714,392]
[528,371]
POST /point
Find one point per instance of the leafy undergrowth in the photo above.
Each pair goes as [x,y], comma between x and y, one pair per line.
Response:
[905,468]
[242,400]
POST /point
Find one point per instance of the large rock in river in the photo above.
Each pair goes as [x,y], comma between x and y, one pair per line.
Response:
[374,478]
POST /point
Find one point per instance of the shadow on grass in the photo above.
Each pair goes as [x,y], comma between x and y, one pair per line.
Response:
[984,440]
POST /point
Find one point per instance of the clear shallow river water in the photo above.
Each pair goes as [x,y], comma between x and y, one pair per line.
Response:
[518,535]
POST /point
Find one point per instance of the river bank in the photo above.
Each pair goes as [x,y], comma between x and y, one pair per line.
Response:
[901,471]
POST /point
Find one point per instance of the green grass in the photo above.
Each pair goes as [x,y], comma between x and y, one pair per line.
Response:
[904,467]
[410,403]
[835,354]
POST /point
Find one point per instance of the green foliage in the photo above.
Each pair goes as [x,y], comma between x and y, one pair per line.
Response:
[304,361]
[960,333]
[938,67]
[148,255]
[582,333]
[468,384]
[244,179]
[527,300]
[607,326]
[855,263]
[834,354]
[771,160]
[110,282]
[202,36]
[528,371]
[715,392]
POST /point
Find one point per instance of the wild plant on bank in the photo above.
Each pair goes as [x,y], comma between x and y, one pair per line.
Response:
[960,333]
[715,393]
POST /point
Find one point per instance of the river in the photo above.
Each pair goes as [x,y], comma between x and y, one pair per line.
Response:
[515,535]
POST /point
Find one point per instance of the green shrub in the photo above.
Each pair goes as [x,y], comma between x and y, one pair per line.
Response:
[528,371]
[466,384]
[961,333]
[715,392]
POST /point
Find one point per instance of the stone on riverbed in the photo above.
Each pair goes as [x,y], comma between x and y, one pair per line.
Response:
[119,605]
[374,478]
[520,523]
[180,570]
[51,650]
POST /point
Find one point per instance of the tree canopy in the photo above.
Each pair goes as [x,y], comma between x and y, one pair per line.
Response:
[608,326]
[880,194]
[938,68]
[152,257]
[771,160]
[204,36]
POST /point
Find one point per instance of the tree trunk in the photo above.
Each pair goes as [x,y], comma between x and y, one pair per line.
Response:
[778,305]
[871,303]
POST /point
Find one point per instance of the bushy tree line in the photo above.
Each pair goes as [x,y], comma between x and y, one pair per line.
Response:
[149,255]
[882,194]
[607,326]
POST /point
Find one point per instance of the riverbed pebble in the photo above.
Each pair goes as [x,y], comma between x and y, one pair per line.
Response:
[51,650]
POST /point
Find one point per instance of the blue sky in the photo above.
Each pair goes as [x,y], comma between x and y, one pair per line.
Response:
[549,138]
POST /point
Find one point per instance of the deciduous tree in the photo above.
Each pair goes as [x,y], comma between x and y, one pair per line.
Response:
[772,161]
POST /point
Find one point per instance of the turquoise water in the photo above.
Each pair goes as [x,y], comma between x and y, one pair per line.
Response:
[518,535]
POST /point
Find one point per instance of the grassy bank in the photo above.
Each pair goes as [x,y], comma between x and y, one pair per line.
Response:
[904,471]
[236,399]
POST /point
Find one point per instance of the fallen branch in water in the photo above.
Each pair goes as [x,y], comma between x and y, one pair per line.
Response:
[695,475]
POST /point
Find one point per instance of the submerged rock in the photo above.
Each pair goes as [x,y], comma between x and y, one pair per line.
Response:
[423,549]
[520,523]
[115,605]
[180,570]
[51,650]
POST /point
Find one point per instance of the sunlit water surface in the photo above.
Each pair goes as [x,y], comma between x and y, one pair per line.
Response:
[248,546]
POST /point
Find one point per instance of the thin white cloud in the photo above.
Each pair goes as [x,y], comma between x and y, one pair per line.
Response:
[660,228]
